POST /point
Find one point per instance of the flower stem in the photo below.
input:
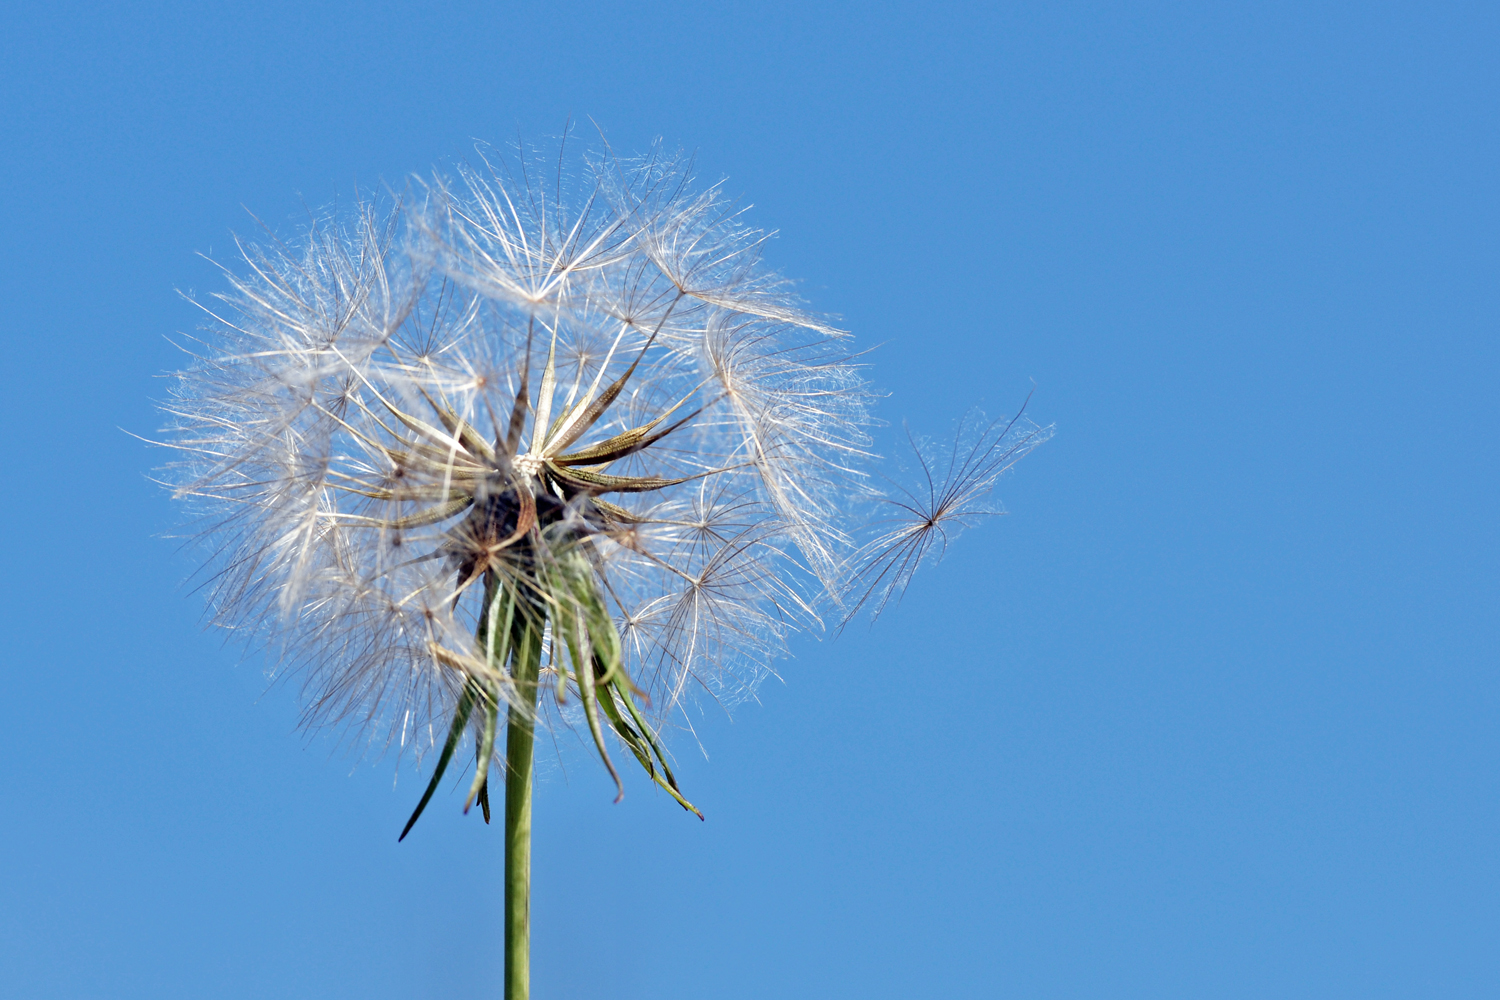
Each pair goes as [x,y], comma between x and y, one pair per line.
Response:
[519,736]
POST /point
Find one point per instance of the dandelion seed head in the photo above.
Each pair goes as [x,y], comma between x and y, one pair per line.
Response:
[410,400]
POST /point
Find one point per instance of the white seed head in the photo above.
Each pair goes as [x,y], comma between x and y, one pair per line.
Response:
[380,405]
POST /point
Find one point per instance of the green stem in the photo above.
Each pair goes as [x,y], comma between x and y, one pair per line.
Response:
[519,737]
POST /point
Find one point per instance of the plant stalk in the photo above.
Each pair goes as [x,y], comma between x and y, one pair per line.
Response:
[519,739]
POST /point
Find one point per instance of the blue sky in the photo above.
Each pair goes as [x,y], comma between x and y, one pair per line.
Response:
[1212,712]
